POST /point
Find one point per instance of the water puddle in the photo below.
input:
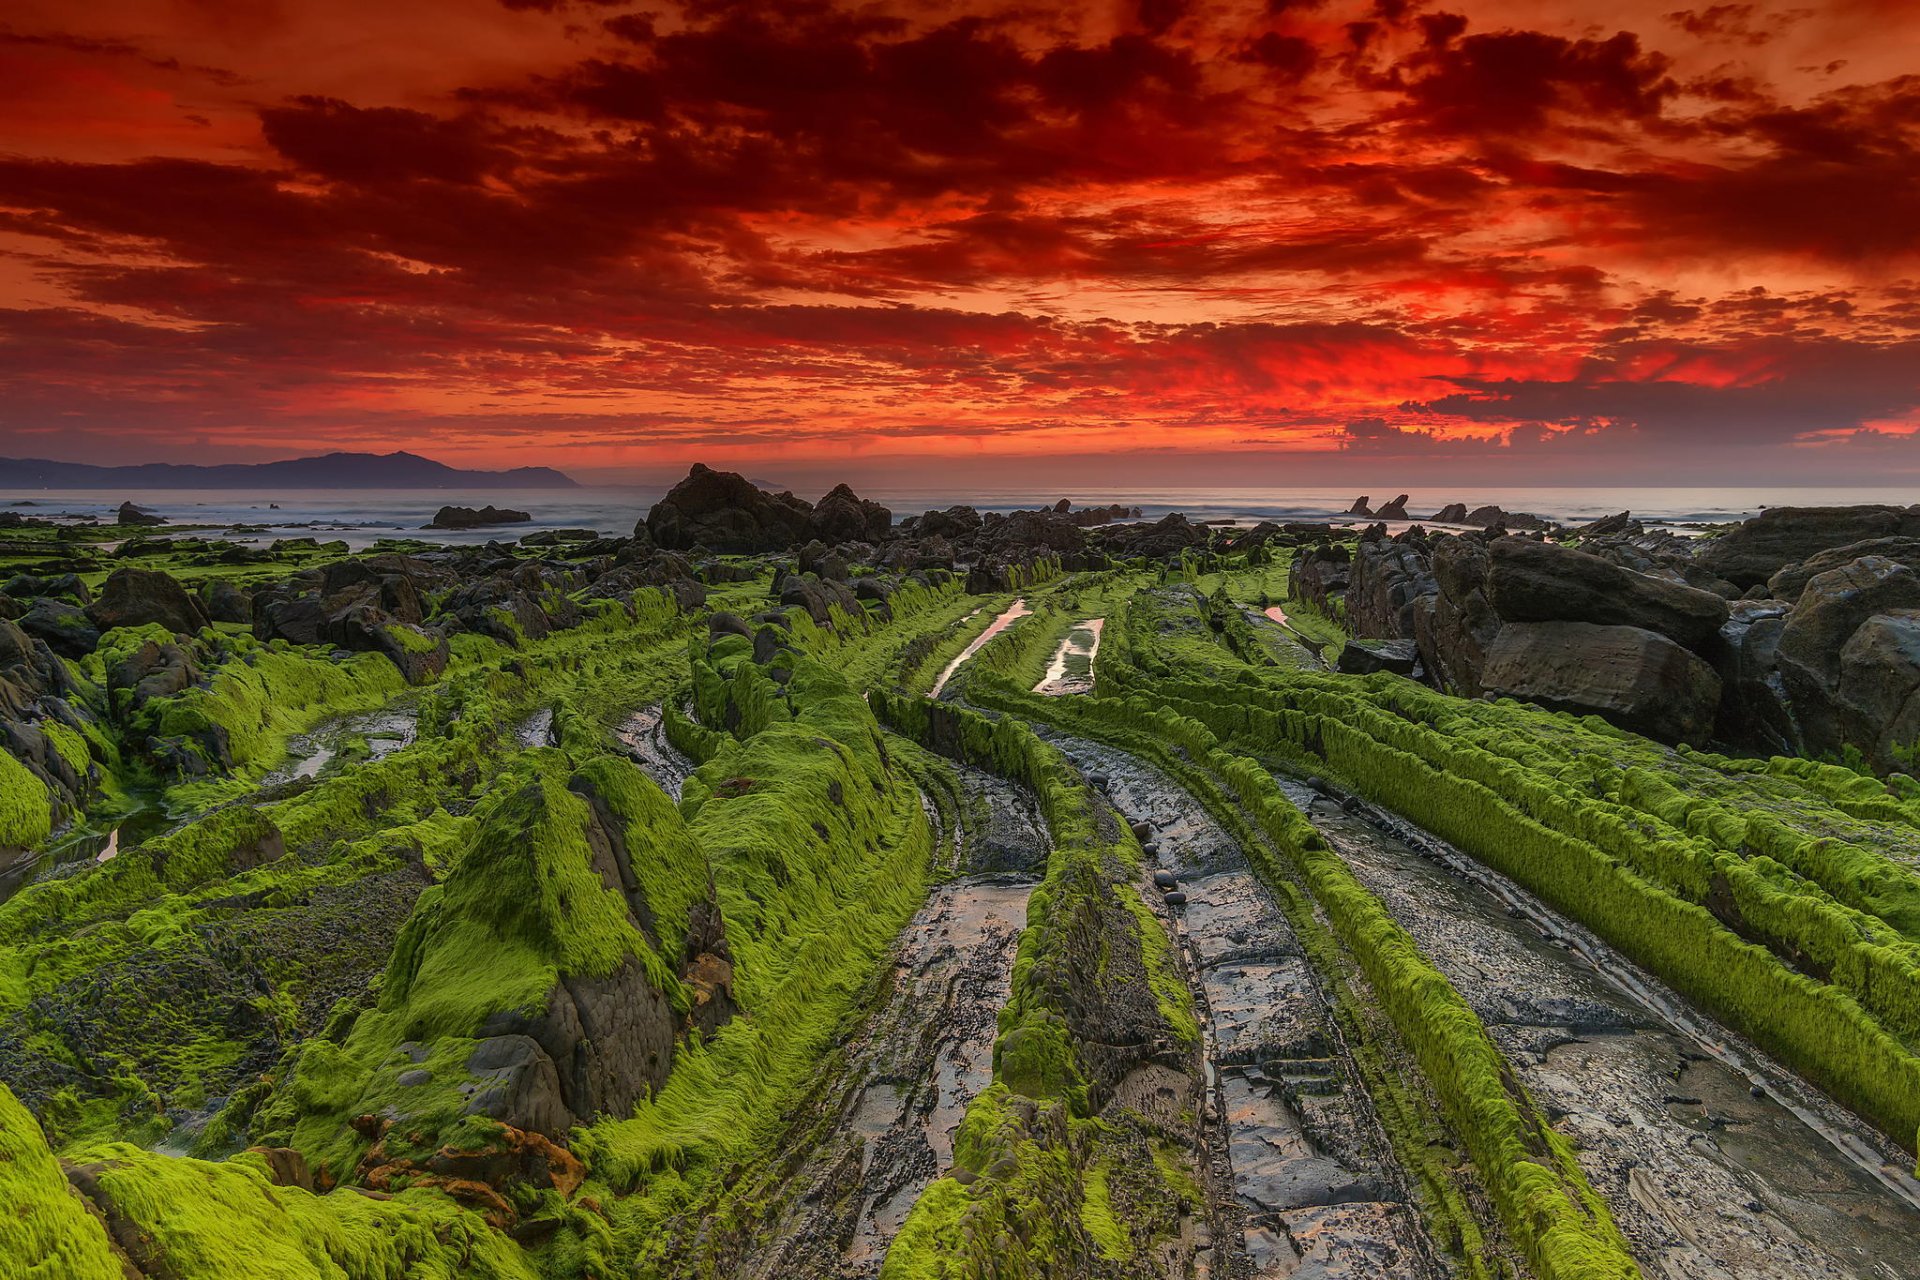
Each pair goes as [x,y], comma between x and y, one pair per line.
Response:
[1717,1163]
[644,738]
[1015,611]
[1071,670]
[308,754]
[536,730]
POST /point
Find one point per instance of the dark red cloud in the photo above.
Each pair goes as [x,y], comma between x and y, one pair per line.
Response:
[617,234]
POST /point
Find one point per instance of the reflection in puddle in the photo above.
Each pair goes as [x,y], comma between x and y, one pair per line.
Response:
[1071,670]
[1015,611]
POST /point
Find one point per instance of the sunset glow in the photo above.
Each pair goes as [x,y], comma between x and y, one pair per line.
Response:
[1540,238]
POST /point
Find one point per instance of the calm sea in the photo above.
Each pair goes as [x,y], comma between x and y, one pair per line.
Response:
[360,516]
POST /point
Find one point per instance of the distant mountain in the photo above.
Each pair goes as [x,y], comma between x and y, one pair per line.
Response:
[331,471]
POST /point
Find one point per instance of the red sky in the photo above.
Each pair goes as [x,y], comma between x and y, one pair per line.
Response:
[1266,240]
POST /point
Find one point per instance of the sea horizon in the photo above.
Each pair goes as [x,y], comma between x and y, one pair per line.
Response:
[361,517]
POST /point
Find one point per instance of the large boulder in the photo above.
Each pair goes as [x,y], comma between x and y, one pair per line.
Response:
[844,516]
[1788,583]
[1753,552]
[1879,688]
[1825,674]
[1389,577]
[65,627]
[1755,707]
[819,597]
[1320,574]
[469,518]
[724,512]
[1532,581]
[137,516]
[1455,626]
[1165,538]
[1635,678]
[1020,535]
[135,597]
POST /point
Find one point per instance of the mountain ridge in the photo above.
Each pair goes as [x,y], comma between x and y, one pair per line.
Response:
[337,470]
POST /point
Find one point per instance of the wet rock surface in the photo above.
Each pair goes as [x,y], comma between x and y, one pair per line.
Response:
[643,737]
[1703,1177]
[880,1121]
[1314,1188]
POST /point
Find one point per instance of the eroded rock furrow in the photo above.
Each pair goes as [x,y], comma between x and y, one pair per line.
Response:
[1316,1190]
[879,1126]
[1716,1164]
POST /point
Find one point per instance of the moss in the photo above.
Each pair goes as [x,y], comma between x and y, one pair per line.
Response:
[1097,1216]
[71,744]
[46,1232]
[521,907]
[210,1220]
[26,806]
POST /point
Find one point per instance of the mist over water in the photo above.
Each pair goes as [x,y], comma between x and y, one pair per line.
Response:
[362,516]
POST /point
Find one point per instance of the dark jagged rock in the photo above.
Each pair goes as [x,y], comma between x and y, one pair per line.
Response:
[1754,705]
[1019,535]
[1360,507]
[1755,550]
[1456,625]
[70,587]
[819,597]
[1093,517]
[225,602]
[558,537]
[1321,574]
[469,518]
[1452,513]
[1366,657]
[1848,681]
[1165,537]
[952,522]
[1613,525]
[824,561]
[724,512]
[132,515]
[844,516]
[66,628]
[1539,582]
[1635,678]
[135,597]
[1492,517]
[1395,510]
[1389,577]
[1789,582]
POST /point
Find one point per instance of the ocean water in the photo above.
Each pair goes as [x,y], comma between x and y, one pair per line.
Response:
[360,516]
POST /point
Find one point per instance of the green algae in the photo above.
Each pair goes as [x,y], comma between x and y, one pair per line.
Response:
[26,806]
[46,1232]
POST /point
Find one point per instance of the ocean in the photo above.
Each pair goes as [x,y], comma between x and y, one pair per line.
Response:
[361,516]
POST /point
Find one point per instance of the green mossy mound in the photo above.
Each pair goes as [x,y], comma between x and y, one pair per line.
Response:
[542,983]
[46,1232]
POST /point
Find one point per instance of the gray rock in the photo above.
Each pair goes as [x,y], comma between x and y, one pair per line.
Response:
[724,512]
[1637,679]
[1789,582]
[1365,657]
[1530,581]
[1761,547]
[66,628]
[1827,677]
[135,597]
